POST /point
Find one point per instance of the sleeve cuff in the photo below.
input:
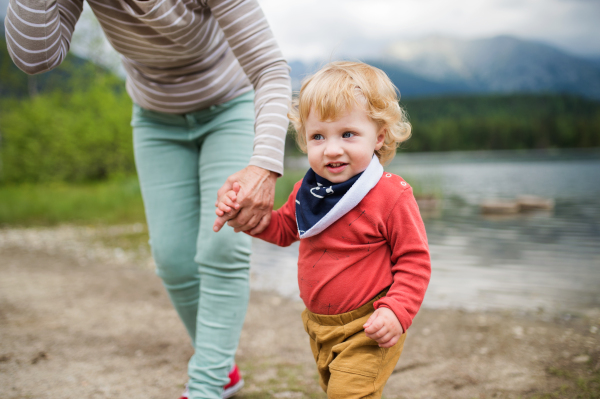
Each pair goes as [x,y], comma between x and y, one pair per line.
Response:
[267,163]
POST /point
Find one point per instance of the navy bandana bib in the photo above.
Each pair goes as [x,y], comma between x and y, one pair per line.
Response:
[320,203]
[316,197]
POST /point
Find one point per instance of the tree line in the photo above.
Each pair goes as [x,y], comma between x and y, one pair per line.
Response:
[502,122]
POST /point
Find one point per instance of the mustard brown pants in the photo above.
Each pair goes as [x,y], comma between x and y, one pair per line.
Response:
[350,365]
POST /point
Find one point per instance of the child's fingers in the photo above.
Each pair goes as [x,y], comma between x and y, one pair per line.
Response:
[227,202]
[388,340]
[384,337]
[374,323]
[224,214]
[231,197]
[224,201]
[224,207]
[370,321]
[219,223]
[228,199]
[383,327]
[377,335]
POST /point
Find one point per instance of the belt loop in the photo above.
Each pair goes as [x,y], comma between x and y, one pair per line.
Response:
[189,118]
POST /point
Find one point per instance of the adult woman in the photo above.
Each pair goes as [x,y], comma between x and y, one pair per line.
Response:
[191,67]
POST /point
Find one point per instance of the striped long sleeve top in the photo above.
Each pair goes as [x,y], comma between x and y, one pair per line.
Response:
[180,55]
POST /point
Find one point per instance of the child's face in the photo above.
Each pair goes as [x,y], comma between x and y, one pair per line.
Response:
[340,149]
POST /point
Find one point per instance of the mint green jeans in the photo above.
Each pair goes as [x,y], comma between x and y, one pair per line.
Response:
[182,160]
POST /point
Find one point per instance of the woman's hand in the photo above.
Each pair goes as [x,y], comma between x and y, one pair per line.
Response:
[255,197]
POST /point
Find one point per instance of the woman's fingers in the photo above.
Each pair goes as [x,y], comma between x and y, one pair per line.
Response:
[262,225]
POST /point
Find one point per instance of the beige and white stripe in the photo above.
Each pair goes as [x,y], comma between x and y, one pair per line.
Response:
[180,55]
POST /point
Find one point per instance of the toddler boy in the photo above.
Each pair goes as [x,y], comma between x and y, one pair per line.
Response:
[363,265]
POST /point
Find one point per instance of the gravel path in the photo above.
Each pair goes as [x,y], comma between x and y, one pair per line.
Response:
[82,315]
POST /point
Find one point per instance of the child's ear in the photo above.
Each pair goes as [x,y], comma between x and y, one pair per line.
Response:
[380,138]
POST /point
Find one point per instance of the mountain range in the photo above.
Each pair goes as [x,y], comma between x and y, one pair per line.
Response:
[441,66]
[437,65]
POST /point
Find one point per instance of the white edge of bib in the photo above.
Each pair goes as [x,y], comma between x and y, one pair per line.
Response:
[353,196]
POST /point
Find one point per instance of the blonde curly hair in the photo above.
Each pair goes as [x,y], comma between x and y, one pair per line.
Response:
[337,87]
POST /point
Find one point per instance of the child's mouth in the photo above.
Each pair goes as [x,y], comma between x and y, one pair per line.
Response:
[336,167]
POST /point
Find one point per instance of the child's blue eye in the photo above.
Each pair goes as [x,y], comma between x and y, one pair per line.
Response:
[347,135]
[317,137]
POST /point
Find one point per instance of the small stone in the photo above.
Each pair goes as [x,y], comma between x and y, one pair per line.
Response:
[593,329]
[40,356]
[275,301]
[518,331]
[426,331]
[483,351]
[581,359]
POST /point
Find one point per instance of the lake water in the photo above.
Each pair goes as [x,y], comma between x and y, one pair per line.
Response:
[542,261]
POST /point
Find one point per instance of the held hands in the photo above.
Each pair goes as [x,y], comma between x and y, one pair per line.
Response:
[252,203]
[383,326]
[227,205]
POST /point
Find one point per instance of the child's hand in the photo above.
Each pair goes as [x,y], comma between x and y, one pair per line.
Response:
[226,206]
[383,326]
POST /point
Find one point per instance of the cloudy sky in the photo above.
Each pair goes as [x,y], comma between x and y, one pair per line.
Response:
[325,28]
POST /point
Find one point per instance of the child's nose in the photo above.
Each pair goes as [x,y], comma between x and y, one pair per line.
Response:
[333,149]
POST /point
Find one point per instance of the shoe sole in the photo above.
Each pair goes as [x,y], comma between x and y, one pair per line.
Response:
[232,390]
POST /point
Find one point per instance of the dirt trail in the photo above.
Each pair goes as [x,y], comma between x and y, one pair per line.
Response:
[75,325]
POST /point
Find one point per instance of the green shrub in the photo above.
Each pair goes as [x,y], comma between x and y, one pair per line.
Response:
[80,134]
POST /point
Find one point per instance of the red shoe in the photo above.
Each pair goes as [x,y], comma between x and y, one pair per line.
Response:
[235,384]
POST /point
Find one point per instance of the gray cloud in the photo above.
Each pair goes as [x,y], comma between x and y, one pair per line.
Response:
[310,28]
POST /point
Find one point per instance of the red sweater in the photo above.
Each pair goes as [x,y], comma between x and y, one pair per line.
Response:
[380,243]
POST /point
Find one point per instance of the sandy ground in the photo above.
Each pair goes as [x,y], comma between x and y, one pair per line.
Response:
[81,318]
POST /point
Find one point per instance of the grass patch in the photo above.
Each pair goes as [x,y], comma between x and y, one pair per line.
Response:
[116,201]
[285,185]
[577,384]
[109,202]
[280,380]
